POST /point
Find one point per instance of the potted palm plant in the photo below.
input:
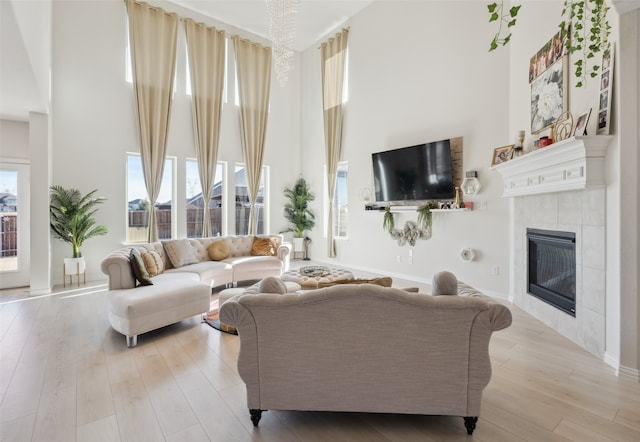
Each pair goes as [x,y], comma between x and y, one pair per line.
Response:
[298,213]
[71,218]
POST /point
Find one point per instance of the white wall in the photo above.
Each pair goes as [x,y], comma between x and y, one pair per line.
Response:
[94,124]
[14,139]
[418,72]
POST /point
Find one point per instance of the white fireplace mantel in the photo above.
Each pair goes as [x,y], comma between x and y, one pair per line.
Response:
[572,164]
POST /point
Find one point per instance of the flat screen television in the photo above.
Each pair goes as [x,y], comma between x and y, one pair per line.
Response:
[414,173]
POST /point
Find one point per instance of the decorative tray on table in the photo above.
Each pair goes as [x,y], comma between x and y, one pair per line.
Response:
[314,271]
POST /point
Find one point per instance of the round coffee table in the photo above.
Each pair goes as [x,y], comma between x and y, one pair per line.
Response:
[311,276]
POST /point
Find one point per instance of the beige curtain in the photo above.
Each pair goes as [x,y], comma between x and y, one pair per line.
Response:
[206,48]
[152,36]
[254,80]
[333,55]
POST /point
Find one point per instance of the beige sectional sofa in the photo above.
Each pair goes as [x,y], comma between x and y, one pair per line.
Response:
[365,348]
[177,293]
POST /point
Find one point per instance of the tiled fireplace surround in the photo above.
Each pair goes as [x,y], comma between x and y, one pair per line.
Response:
[562,188]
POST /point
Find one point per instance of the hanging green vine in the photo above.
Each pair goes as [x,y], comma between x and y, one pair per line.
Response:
[388,222]
[496,13]
[584,26]
[585,23]
[425,215]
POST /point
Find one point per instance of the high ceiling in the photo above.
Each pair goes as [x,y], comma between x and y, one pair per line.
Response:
[314,20]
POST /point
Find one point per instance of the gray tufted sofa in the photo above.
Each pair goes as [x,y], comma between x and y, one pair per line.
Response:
[179,293]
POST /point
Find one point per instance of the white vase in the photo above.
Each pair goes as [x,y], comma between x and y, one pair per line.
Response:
[74,266]
[298,244]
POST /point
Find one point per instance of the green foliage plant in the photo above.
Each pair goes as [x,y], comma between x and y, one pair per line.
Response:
[71,216]
[425,215]
[587,28]
[388,222]
[297,211]
[584,26]
[508,19]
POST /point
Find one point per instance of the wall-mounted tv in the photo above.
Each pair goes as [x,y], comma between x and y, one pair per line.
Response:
[421,172]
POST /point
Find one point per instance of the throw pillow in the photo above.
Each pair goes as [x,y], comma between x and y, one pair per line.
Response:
[218,250]
[272,284]
[263,246]
[444,283]
[139,270]
[153,262]
[180,252]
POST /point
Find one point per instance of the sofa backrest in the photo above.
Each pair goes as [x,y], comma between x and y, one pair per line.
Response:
[365,348]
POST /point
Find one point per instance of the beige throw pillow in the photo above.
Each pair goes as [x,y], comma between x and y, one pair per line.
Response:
[153,262]
[180,252]
[218,250]
[138,268]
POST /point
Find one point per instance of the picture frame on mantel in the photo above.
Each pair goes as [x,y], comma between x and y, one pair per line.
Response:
[581,123]
[549,95]
[606,87]
[502,154]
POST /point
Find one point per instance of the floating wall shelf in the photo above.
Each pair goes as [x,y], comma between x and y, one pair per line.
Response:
[571,164]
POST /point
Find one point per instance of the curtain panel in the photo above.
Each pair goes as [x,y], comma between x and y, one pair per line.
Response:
[206,49]
[333,55]
[254,81]
[152,37]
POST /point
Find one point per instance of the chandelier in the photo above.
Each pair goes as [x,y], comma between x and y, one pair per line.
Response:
[282,30]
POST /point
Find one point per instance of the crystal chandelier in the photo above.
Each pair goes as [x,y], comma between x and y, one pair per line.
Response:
[282,30]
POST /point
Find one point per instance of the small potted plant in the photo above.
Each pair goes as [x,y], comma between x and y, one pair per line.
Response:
[425,215]
[298,213]
[71,218]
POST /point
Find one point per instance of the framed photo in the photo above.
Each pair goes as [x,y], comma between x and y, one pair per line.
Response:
[581,123]
[502,154]
[551,52]
[549,95]
[606,87]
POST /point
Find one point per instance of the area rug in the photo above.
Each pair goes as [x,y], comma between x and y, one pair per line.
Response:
[211,318]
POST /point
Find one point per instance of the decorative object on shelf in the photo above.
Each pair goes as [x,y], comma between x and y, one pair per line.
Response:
[471,185]
[366,194]
[549,95]
[307,241]
[425,216]
[468,255]
[409,234]
[71,218]
[458,204]
[606,88]
[563,127]
[518,147]
[502,154]
[388,222]
[581,123]
[545,141]
[282,30]
[298,213]
[582,23]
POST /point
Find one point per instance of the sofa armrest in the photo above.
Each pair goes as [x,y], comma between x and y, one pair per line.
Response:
[118,268]
[284,253]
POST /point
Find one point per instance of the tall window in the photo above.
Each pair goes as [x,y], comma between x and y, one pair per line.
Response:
[242,201]
[195,203]
[340,200]
[138,202]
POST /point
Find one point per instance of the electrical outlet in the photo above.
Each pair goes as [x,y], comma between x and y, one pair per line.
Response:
[399,258]
[410,256]
[495,270]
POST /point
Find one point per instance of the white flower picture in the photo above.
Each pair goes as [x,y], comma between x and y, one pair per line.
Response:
[548,97]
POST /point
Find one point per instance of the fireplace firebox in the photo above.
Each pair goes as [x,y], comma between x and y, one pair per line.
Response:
[552,268]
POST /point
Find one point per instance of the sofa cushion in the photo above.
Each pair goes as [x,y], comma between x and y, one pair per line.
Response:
[180,252]
[138,267]
[153,262]
[444,283]
[213,272]
[263,246]
[218,250]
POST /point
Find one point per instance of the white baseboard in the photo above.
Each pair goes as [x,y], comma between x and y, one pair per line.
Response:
[612,361]
[630,374]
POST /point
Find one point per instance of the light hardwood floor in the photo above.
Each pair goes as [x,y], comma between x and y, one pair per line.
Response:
[65,375]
